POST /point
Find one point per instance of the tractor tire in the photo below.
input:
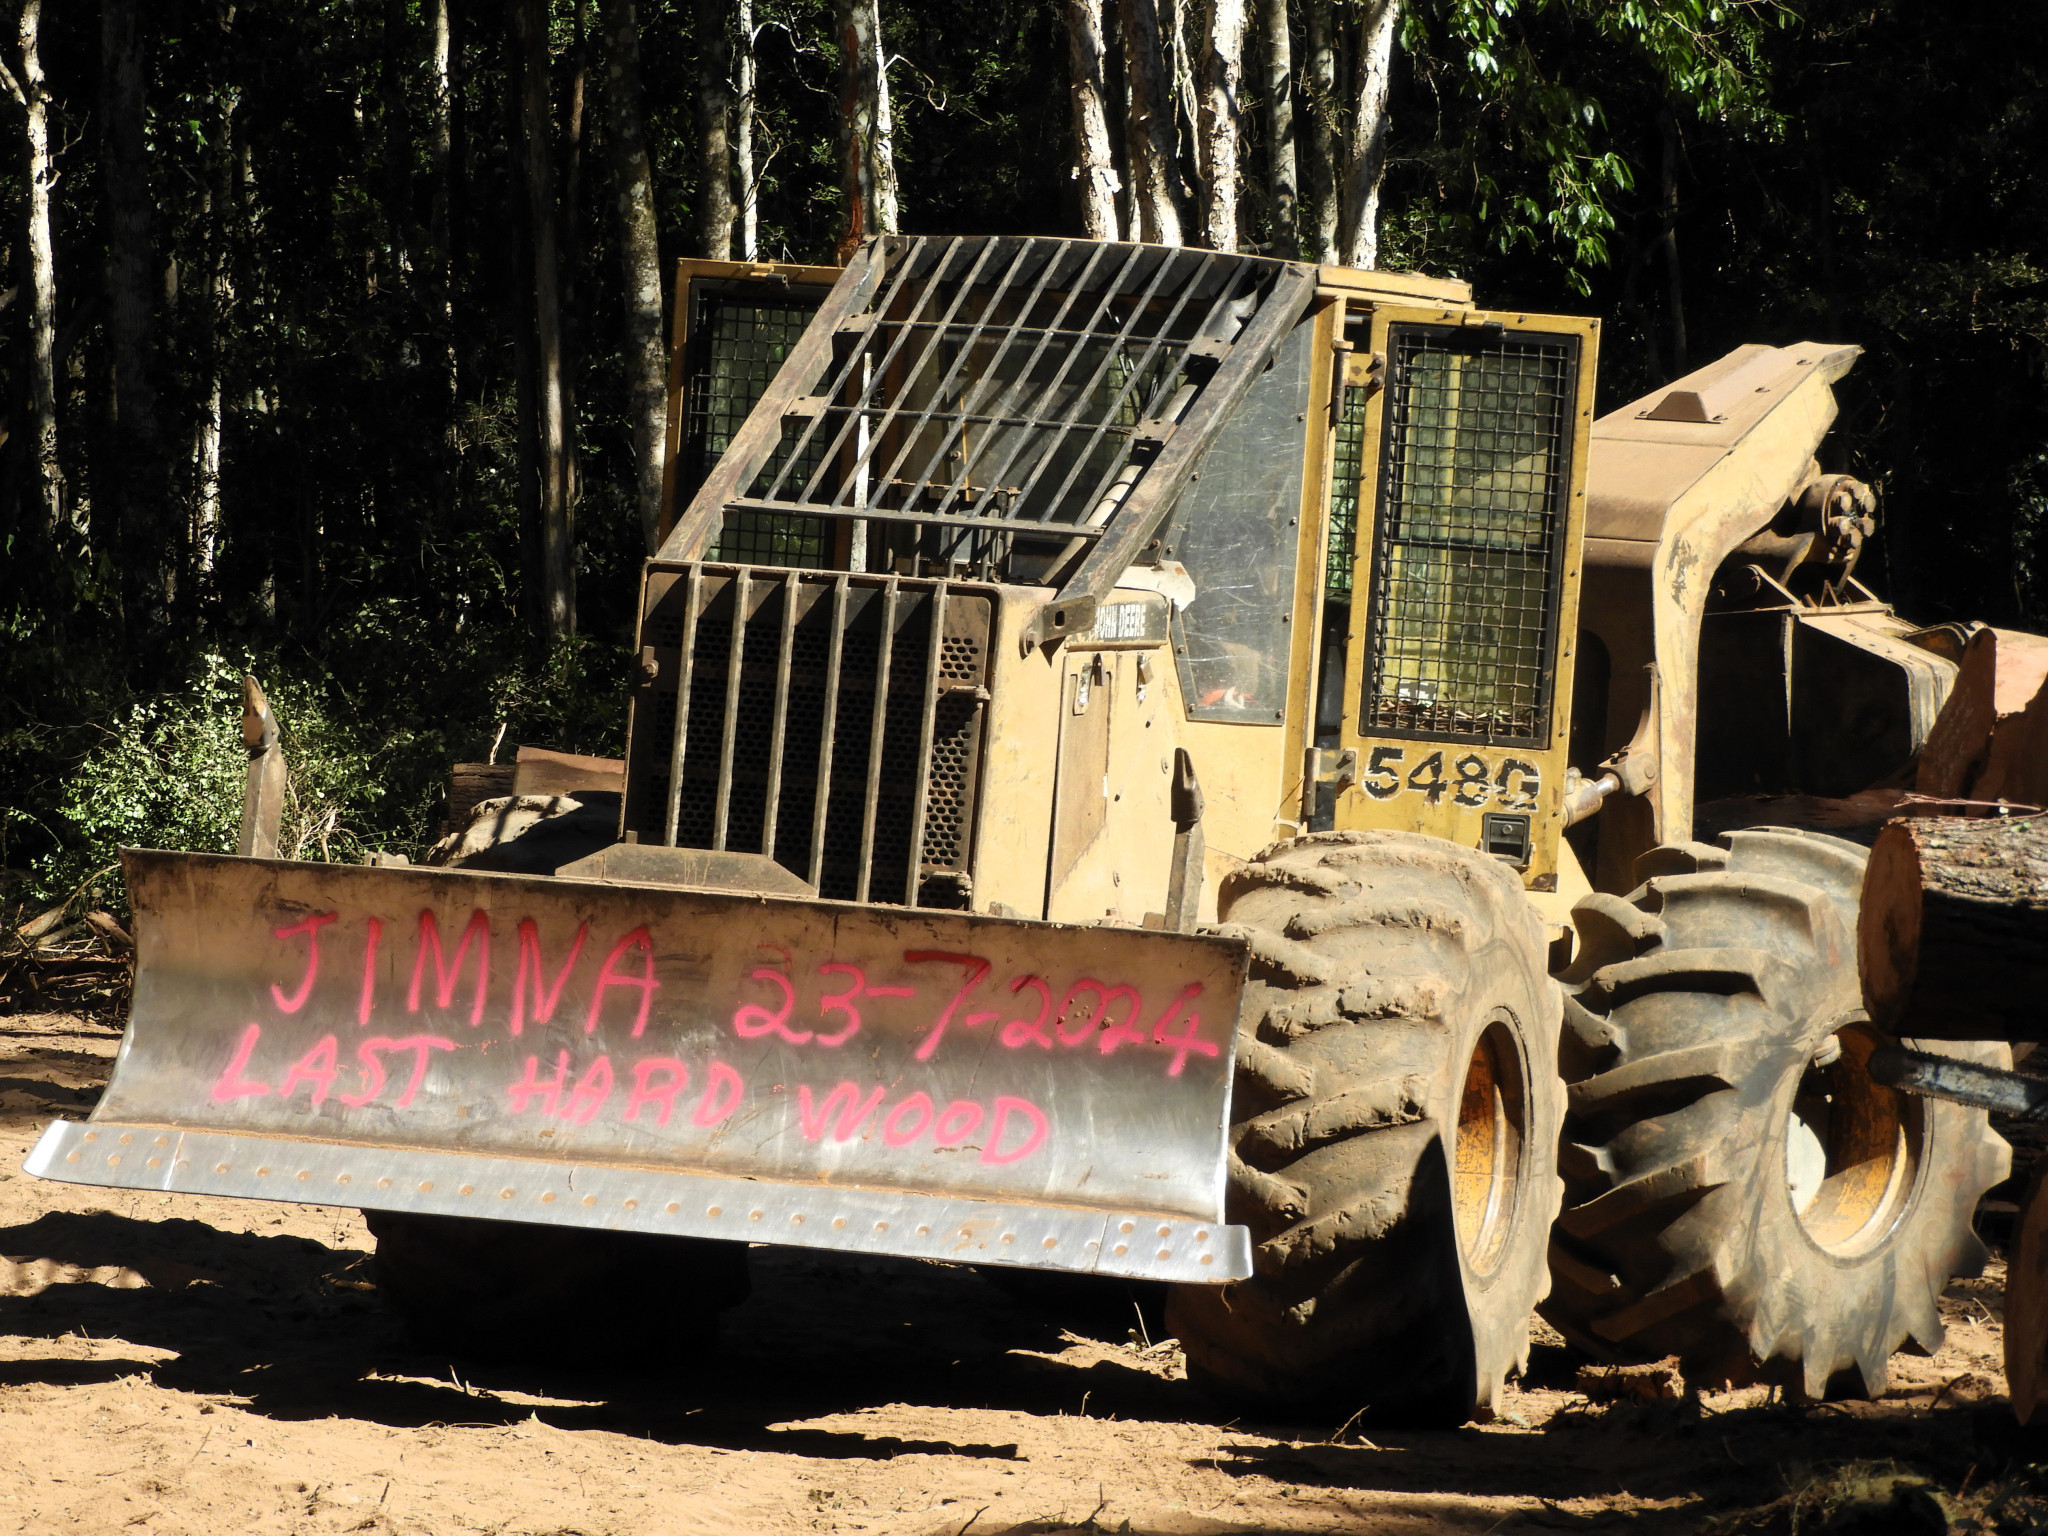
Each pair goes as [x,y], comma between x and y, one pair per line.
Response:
[508,1290]
[1739,1192]
[490,1290]
[1394,1125]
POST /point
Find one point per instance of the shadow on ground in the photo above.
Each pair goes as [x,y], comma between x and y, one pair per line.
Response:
[294,1329]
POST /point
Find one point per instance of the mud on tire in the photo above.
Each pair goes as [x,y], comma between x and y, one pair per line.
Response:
[1738,1191]
[1394,1121]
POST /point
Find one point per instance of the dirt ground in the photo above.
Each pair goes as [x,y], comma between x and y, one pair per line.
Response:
[180,1365]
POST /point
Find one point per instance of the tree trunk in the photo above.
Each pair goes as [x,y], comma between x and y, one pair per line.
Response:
[714,146]
[532,134]
[221,206]
[1222,87]
[137,443]
[441,167]
[865,125]
[1359,200]
[397,125]
[1674,290]
[1281,182]
[1319,106]
[441,129]
[1367,162]
[639,260]
[744,176]
[1094,160]
[1149,139]
[882,156]
[1953,929]
[572,141]
[569,240]
[33,97]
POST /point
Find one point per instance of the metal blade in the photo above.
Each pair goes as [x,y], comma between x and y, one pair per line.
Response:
[593,1054]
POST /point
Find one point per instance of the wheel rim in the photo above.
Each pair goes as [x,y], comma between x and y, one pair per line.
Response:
[1852,1150]
[1486,1178]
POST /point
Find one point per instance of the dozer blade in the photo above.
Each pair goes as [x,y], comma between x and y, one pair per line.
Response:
[903,1081]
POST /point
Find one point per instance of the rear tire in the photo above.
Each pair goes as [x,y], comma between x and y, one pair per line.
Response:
[1394,1121]
[1740,1193]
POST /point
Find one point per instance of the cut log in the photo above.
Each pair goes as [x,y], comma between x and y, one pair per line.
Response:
[1953,932]
[2002,675]
[469,785]
[2017,766]
[540,771]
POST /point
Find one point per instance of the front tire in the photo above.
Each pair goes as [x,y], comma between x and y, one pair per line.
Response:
[1740,1192]
[1394,1121]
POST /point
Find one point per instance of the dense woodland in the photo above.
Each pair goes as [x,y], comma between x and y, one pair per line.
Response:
[330,336]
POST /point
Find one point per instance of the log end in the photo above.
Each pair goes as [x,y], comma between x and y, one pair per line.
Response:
[1889,922]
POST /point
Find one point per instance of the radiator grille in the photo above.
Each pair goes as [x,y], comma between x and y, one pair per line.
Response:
[1473,494]
[831,721]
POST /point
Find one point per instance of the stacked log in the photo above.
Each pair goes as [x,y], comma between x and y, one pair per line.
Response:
[1953,942]
[1989,741]
[1953,935]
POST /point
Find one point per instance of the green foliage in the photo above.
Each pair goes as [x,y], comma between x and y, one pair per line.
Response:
[1518,88]
[167,770]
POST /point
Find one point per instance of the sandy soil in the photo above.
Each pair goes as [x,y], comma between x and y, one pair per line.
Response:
[177,1365]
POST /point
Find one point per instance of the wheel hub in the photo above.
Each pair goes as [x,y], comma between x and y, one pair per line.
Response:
[1487,1161]
[1852,1148]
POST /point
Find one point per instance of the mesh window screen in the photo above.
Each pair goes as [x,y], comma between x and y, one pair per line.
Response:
[736,344]
[1347,475]
[1465,570]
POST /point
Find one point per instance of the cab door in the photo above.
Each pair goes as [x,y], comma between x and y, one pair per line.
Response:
[1456,692]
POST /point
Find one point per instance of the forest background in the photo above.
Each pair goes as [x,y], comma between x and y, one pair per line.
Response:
[330,340]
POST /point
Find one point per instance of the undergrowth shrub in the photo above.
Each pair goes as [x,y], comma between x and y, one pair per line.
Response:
[364,771]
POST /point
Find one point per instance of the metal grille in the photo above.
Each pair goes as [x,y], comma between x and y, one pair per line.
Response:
[1347,477]
[736,345]
[1472,507]
[833,722]
[1020,383]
